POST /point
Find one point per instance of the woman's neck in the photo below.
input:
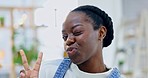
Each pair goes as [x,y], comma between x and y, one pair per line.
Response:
[92,65]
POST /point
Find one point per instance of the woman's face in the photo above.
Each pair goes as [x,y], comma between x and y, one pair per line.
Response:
[81,40]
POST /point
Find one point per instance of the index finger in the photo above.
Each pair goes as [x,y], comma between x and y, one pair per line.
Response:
[24,60]
[38,62]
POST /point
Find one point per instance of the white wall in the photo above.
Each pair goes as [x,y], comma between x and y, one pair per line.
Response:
[5,50]
[133,8]
[24,3]
[51,37]
[114,9]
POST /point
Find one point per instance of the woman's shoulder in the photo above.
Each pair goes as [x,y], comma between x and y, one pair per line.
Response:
[51,62]
[49,67]
[116,73]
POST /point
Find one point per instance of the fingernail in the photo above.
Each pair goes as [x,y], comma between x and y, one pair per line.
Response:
[41,53]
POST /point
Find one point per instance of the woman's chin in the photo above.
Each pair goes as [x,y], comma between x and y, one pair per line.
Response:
[77,62]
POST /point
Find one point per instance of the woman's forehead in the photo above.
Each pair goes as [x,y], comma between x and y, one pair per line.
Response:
[76,17]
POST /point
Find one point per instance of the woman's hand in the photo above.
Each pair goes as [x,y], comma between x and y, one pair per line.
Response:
[30,73]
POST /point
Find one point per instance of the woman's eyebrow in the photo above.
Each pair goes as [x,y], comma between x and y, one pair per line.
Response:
[73,27]
[76,26]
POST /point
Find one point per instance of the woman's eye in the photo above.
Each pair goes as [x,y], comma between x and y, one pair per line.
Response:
[65,37]
[77,33]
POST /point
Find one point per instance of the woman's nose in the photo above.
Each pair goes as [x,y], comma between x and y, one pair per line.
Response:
[70,40]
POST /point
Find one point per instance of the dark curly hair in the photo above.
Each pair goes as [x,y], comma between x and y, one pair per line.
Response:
[99,17]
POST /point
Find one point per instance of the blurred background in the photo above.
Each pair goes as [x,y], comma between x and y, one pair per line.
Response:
[35,26]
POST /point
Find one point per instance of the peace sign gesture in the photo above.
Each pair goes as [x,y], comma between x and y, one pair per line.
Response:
[30,73]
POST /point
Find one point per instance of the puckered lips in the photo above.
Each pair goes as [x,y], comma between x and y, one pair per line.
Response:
[71,51]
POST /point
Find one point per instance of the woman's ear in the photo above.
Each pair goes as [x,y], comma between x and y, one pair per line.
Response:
[102,32]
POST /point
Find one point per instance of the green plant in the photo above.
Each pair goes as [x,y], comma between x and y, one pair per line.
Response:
[121,62]
[2,20]
[30,52]
[31,55]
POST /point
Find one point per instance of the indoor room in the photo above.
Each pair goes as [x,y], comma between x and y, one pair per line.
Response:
[35,26]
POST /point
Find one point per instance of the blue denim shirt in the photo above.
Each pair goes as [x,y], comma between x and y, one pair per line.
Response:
[65,64]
